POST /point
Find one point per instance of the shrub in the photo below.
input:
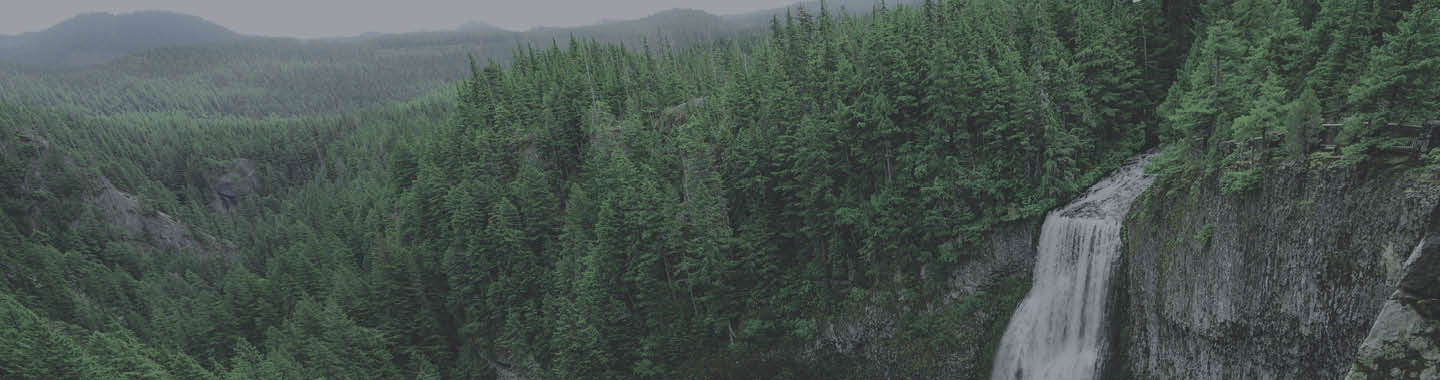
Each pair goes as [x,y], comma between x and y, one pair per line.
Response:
[1235,182]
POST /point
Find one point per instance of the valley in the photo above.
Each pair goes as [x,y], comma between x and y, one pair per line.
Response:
[926,189]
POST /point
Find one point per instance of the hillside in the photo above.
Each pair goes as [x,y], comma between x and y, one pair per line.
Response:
[680,27]
[94,38]
[853,7]
[479,27]
[260,77]
[964,189]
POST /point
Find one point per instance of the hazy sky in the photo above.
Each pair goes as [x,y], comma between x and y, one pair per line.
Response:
[323,18]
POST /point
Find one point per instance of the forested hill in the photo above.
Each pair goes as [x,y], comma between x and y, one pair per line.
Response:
[262,77]
[592,210]
[95,38]
[853,7]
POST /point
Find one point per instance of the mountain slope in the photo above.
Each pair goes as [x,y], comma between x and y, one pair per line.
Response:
[479,27]
[258,77]
[678,26]
[853,7]
[95,38]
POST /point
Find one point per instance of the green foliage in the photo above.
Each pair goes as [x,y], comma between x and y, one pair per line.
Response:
[323,341]
[1257,72]
[775,189]
[600,211]
[1402,81]
[1343,33]
[127,357]
[1432,159]
[36,349]
[1301,123]
[1239,181]
[977,320]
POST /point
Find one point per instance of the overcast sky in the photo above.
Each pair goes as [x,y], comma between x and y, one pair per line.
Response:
[325,18]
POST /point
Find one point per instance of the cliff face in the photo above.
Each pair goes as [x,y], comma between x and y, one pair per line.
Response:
[1404,343]
[1283,281]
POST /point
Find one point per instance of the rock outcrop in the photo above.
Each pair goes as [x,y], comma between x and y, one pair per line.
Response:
[151,228]
[238,179]
[1404,342]
[1283,281]
[143,228]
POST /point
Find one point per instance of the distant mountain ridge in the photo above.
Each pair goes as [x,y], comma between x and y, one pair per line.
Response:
[94,38]
[480,26]
[852,7]
[253,76]
[97,38]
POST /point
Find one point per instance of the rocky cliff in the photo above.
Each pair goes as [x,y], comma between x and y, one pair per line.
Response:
[1317,271]
[1404,342]
[1282,281]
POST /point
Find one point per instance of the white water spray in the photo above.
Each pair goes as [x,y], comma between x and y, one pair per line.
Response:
[1057,332]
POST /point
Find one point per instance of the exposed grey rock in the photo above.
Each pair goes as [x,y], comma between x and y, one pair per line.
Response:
[1404,342]
[238,179]
[153,228]
[1422,269]
[148,230]
[1280,282]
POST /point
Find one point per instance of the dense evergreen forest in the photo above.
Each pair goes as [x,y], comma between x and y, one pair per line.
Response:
[597,210]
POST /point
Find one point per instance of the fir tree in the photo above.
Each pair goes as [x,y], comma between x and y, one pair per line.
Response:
[1402,82]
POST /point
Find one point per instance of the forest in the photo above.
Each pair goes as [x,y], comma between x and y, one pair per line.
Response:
[581,209]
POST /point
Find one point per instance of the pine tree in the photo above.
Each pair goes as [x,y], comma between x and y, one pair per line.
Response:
[182,366]
[399,307]
[1342,33]
[582,347]
[1402,81]
[125,356]
[1266,112]
[1285,50]
[249,363]
[427,371]
[1066,110]
[708,260]
[538,208]
[35,350]
[1214,87]
[248,299]
[515,291]
[325,342]
[1302,123]
[1110,80]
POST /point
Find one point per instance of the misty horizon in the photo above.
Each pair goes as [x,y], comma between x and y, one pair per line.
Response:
[318,19]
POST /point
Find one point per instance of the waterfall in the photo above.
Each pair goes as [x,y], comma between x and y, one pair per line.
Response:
[1057,332]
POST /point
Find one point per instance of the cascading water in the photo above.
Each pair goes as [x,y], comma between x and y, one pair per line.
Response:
[1057,331]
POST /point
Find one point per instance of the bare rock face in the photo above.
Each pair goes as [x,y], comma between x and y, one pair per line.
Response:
[1283,281]
[153,228]
[1404,342]
[238,179]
